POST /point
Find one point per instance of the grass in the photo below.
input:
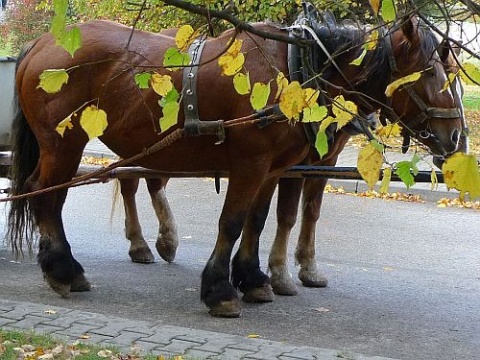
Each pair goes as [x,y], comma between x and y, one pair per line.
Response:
[16,345]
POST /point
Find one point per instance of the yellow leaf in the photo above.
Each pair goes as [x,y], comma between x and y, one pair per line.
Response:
[433,180]
[161,84]
[241,83]
[292,100]
[49,312]
[449,81]
[94,121]
[372,41]
[259,96]
[375,4]
[311,96]
[460,171]
[62,126]
[314,113]
[326,122]
[358,61]
[85,336]
[402,81]
[184,37]
[387,177]
[232,61]
[471,74]
[105,353]
[282,83]
[389,130]
[51,81]
[369,164]
[344,111]
[253,336]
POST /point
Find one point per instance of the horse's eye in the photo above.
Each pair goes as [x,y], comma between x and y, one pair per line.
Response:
[431,71]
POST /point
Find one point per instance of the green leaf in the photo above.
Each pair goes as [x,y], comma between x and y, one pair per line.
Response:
[315,113]
[388,11]
[241,83]
[172,96]
[51,81]
[170,115]
[142,80]
[471,76]
[403,172]
[321,143]
[259,95]
[174,59]
[71,40]
[58,26]
[60,6]
[358,61]
[94,121]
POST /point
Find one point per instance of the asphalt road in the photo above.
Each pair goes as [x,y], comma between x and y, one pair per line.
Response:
[404,277]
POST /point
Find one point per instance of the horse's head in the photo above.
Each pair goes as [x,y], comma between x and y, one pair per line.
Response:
[428,111]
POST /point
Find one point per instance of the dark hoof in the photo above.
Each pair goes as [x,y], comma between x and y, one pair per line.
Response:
[62,289]
[226,309]
[142,256]
[259,295]
[167,249]
[80,283]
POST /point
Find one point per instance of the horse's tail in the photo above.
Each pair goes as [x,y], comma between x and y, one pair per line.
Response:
[25,155]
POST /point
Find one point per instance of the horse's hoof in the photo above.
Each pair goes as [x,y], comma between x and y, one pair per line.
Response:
[282,282]
[167,249]
[142,256]
[259,295]
[80,283]
[226,309]
[312,278]
[62,289]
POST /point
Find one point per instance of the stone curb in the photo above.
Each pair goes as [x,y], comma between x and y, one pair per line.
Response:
[132,336]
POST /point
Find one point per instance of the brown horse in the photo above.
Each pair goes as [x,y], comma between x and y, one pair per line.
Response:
[102,72]
[289,194]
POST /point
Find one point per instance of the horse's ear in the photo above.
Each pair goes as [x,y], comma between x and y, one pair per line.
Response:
[444,50]
[409,28]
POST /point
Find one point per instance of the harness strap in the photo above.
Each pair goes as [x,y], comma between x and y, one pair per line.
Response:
[193,126]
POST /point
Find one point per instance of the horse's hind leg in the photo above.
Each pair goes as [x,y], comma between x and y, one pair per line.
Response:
[289,192]
[139,250]
[167,240]
[309,274]
[61,271]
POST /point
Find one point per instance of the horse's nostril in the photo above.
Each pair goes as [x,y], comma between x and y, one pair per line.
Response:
[455,136]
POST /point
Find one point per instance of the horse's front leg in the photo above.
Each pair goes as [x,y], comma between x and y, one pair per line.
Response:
[167,239]
[289,192]
[139,251]
[216,291]
[246,273]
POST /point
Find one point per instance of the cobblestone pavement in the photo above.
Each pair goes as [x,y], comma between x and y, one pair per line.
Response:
[154,337]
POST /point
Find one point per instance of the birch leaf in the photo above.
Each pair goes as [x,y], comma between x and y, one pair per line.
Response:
[232,61]
[184,37]
[315,113]
[321,143]
[433,180]
[259,95]
[402,81]
[388,11]
[161,84]
[369,164]
[94,121]
[461,172]
[241,83]
[142,80]
[375,4]
[387,177]
[64,125]
[282,84]
[471,76]
[175,59]
[390,130]
[71,40]
[51,81]
[292,100]
[449,81]
[170,115]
